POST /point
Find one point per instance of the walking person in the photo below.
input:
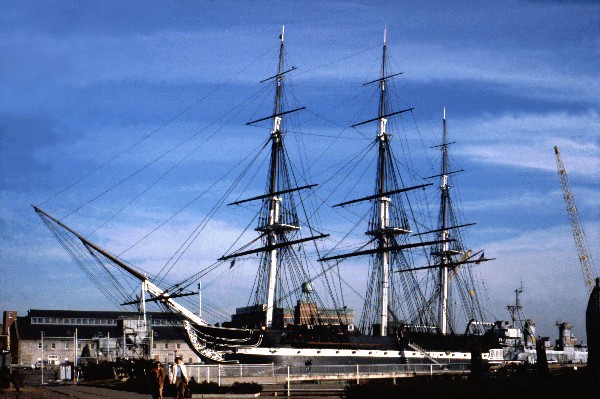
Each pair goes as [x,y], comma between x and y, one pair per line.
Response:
[157,376]
[308,366]
[179,378]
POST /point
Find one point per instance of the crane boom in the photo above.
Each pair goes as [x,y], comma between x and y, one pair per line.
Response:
[582,249]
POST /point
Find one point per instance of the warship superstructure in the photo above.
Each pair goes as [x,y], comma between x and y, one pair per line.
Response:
[518,338]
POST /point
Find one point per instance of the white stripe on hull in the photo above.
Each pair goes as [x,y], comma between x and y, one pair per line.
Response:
[356,354]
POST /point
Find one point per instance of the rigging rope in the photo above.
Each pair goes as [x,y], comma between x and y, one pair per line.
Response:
[169,121]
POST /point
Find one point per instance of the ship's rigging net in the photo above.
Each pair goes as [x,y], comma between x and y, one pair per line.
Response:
[121,288]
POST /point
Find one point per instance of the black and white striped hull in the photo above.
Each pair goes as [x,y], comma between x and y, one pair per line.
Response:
[299,356]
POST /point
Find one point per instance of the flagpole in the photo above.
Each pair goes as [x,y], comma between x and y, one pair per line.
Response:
[200,299]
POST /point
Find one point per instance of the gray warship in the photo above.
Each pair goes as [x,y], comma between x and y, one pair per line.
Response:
[518,339]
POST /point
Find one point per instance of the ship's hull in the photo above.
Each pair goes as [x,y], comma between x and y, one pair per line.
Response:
[317,356]
[332,345]
[278,348]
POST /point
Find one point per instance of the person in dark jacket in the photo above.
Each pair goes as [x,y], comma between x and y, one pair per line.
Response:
[157,377]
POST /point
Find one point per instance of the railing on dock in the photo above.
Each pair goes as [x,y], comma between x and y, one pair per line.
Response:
[315,377]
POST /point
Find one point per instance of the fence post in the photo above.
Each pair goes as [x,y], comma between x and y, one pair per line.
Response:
[288,381]
[431,370]
[357,375]
[241,374]
[208,374]
[273,368]
[219,378]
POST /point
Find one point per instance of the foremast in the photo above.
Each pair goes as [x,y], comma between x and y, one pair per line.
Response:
[279,219]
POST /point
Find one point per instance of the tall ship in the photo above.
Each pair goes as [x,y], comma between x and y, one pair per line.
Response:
[422,302]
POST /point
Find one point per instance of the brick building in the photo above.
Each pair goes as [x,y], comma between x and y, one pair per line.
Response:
[90,336]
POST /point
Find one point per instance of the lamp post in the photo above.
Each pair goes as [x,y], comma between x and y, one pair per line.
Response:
[75,348]
[42,364]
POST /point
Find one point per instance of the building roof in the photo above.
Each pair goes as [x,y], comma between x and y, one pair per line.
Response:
[28,330]
[108,314]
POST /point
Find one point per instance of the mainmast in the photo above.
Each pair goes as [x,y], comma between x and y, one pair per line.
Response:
[274,200]
[444,254]
[388,218]
[384,201]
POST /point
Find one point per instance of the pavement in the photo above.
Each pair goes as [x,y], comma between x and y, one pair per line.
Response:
[70,391]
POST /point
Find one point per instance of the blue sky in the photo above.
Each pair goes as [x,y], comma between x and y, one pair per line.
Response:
[82,81]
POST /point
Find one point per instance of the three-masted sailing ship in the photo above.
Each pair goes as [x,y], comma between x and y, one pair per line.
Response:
[286,320]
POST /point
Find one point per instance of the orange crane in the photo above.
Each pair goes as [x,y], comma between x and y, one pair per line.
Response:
[582,249]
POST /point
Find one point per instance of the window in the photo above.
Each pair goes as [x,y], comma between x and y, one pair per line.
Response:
[166,345]
[47,320]
[153,346]
[178,346]
[10,315]
[78,321]
[84,321]
[92,321]
[53,345]
[72,321]
[53,320]
[39,345]
[66,345]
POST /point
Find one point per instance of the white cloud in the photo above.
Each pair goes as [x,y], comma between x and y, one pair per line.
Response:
[195,56]
[526,140]
[546,261]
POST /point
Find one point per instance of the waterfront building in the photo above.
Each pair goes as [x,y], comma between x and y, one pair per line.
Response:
[58,336]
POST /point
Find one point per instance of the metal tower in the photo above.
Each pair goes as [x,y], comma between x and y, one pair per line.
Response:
[578,234]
